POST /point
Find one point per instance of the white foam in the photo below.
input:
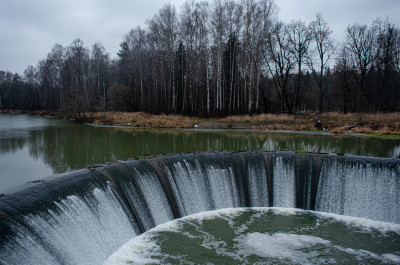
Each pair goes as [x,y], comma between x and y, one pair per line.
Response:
[227,212]
[363,223]
[361,253]
[392,257]
[139,249]
[360,222]
[286,211]
[136,251]
[280,245]
[244,227]
[287,246]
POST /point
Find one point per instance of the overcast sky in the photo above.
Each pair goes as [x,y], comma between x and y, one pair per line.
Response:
[30,28]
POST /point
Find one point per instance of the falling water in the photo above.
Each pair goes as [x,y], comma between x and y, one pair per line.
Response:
[84,216]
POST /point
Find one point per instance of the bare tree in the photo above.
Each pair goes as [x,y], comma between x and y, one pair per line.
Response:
[258,16]
[218,24]
[321,54]
[226,57]
[33,82]
[99,63]
[387,65]
[281,63]
[299,39]
[136,41]
[51,92]
[163,35]
[194,35]
[361,44]
[234,15]
[187,33]
[397,49]
[77,79]
[345,80]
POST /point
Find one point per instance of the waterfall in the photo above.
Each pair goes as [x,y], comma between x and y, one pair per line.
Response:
[284,182]
[362,187]
[84,216]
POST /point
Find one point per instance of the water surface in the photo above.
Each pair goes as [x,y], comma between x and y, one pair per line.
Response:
[264,236]
[32,147]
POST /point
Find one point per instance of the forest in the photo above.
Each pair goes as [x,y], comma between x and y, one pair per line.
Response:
[218,58]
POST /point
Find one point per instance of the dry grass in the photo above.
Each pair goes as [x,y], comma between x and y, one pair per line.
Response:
[260,118]
[141,119]
[337,123]
[374,123]
[378,123]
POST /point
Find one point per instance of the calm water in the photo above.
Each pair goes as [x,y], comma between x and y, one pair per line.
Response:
[33,148]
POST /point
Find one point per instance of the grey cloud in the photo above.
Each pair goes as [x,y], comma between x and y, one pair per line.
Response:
[29,29]
[340,13]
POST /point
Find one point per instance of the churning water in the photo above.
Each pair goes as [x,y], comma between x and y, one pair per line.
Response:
[85,216]
[264,235]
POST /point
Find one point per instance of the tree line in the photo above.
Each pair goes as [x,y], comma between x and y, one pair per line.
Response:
[218,58]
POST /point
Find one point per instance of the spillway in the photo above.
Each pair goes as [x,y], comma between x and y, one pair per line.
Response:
[82,217]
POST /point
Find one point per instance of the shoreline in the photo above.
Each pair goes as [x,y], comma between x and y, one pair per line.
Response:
[319,133]
[382,125]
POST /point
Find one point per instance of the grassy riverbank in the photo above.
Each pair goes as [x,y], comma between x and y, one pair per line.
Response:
[377,124]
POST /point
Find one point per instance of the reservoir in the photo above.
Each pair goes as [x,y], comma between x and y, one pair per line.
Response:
[33,147]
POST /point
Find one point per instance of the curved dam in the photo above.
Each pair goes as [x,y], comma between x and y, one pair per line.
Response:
[82,217]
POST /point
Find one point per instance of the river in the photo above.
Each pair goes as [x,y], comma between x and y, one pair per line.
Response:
[33,147]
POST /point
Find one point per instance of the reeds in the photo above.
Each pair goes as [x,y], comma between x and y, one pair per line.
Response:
[260,118]
[141,119]
[370,123]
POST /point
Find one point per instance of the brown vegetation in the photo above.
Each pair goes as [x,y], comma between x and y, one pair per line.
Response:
[141,119]
[376,123]
[261,118]
[336,123]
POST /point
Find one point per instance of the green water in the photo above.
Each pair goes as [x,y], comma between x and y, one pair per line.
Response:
[32,147]
[264,236]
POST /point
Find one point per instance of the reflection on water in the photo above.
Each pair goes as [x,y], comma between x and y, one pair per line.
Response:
[62,146]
